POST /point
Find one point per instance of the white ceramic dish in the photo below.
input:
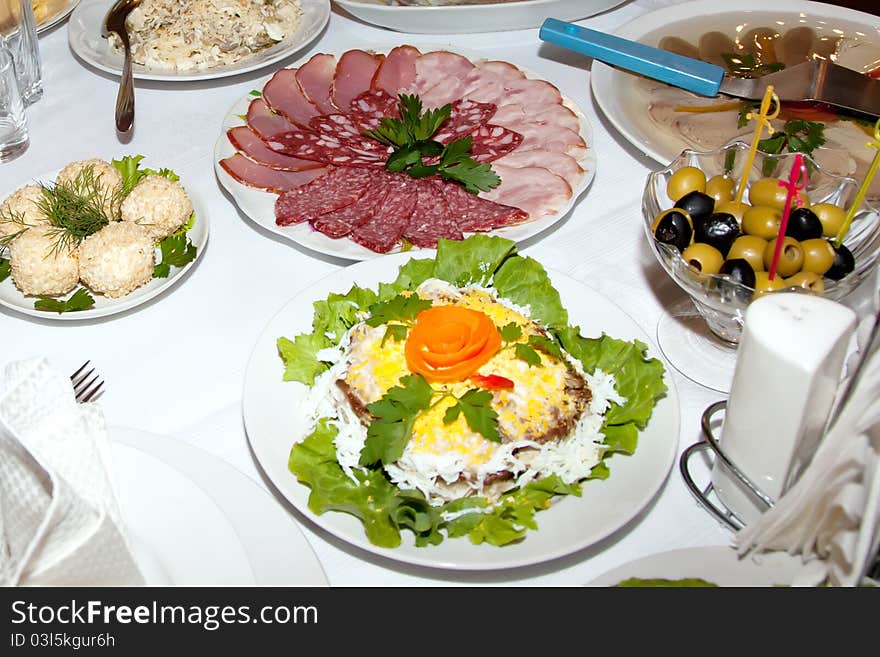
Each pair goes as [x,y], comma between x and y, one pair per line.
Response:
[271,421]
[259,206]
[84,35]
[196,520]
[11,297]
[623,103]
[716,564]
[456,19]
[56,11]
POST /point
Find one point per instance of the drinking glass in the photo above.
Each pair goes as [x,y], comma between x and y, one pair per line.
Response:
[18,31]
[13,125]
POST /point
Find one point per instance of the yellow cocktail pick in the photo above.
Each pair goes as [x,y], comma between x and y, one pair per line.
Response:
[764,116]
[860,195]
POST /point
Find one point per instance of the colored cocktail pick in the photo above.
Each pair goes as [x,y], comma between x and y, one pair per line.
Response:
[797,180]
[860,195]
[763,117]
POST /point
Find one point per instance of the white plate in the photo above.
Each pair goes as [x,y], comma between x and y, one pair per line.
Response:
[196,520]
[259,206]
[717,564]
[615,91]
[456,19]
[58,10]
[271,421]
[84,34]
[11,296]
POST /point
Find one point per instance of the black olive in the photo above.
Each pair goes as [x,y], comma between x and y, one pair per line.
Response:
[844,263]
[740,271]
[696,204]
[673,227]
[803,224]
[719,230]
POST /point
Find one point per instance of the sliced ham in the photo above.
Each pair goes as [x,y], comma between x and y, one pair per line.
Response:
[258,176]
[549,138]
[263,121]
[440,77]
[477,214]
[383,230]
[527,92]
[284,95]
[397,71]
[431,218]
[248,143]
[553,114]
[353,75]
[504,70]
[315,77]
[340,187]
[562,165]
[535,190]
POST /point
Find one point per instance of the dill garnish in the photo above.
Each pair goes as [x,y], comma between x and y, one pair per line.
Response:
[7,216]
[78,208]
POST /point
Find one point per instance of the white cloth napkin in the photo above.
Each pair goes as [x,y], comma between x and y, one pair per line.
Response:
[59,521]
[832,513]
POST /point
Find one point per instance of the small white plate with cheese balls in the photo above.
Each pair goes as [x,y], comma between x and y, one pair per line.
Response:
[42,258]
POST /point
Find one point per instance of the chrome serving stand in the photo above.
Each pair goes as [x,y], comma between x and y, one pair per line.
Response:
[710,443]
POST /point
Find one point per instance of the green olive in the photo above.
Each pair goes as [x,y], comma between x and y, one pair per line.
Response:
[704,258]
[684,181]
[738,210]
[808,280]
[749,248]
[762,221]
[767,191]
[763,284]
[791,256]
[721,188]
[818,255]
[832,217]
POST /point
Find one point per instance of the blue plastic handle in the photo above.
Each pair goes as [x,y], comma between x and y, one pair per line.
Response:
[691,74]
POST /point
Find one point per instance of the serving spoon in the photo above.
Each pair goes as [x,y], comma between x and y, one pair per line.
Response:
[114,21]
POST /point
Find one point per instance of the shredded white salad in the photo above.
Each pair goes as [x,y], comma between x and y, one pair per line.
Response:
[188,35]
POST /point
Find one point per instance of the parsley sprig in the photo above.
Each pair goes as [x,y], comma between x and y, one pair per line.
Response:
[480,416]
[746,65]
[410,136]
[398,313]
[796,136]
[79,300]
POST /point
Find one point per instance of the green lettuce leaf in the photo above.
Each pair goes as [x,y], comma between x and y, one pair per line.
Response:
[339,312]
[411,275]
[472,261]
[526,283]
[300,356]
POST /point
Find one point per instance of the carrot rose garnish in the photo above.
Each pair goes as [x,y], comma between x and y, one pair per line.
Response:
[449,343]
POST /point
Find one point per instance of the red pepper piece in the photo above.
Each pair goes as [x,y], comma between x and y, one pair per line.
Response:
[492,382]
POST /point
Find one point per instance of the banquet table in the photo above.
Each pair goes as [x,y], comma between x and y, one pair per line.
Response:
[175,365]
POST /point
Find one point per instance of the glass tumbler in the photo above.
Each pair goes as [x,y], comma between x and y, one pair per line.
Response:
[13,125]
[18,31]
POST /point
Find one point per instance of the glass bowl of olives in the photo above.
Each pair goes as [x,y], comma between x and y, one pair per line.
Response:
[719,250]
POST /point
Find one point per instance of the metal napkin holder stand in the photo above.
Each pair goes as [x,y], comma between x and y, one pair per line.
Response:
[709,442]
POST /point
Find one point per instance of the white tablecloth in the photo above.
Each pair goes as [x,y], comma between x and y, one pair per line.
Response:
[175,366]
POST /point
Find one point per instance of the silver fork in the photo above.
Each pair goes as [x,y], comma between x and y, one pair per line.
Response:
[86,389]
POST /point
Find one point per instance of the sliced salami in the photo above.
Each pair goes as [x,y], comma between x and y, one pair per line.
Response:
[264,121]
[284,95]
[347,129]
[382,231]
[354,73]
[324,148]
[339,187]
[431,218]
[341,222]
[315,77]
[248,143]
[464,117]
[258,176]
[397,71]
[368,109]
[477,214]
[493,141]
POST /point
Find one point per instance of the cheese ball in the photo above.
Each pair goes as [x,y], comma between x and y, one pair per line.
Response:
[108,182]
[37,269]
[22,205]
[159,204]
[117,259]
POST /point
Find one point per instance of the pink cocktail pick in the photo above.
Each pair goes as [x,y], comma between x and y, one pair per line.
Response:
[797,180]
